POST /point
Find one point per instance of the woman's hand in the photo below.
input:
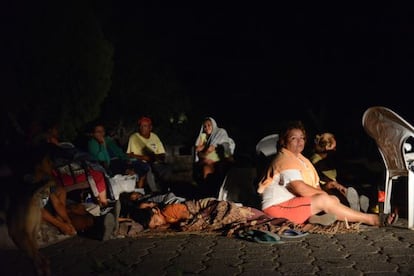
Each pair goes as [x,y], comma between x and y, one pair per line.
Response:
[199,148]
[337,186]
[201,154]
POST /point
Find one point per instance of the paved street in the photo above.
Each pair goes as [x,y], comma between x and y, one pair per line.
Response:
[378,251]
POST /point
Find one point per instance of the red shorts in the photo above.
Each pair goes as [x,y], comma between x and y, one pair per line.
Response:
[296,210]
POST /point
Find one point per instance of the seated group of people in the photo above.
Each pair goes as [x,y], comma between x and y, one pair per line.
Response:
[292,189]
[68,207]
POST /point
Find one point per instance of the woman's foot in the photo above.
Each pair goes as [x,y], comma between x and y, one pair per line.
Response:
[388,219]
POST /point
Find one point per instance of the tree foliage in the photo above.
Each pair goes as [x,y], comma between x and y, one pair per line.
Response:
[63,65]
[70,64]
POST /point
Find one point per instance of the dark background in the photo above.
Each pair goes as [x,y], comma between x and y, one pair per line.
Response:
[251,66]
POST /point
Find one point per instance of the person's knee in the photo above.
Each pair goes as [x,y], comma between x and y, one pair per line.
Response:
[323,200]
[334,199]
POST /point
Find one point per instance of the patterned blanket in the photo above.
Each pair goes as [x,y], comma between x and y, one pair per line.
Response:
[227,218]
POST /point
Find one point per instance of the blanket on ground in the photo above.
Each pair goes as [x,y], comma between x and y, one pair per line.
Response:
[228,218]
[277,226]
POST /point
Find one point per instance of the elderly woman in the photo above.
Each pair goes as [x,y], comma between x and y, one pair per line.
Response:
[212,145]
[291,187]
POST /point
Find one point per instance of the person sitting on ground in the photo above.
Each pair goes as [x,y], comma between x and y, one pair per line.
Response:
[212,145]
[55,212]
[324,161]
[291,189]
[70,165]
[145,145]
[70,218]
[53,196]
[106,151]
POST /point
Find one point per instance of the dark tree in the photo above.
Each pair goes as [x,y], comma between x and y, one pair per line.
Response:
[60,62]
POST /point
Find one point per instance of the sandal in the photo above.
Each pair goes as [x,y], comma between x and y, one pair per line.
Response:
[259,236]
[292,234]
[388,219]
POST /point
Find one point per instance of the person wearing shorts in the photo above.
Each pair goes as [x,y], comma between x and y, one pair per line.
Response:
[290,189]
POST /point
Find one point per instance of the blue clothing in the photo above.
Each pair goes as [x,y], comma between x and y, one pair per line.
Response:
[111,156]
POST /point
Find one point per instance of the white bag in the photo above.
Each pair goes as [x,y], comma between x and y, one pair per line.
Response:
[123,183]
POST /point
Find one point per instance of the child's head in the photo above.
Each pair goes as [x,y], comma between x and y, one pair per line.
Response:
[149,217]
[142,216]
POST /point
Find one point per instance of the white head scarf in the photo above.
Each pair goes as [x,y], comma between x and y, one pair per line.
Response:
[218,136]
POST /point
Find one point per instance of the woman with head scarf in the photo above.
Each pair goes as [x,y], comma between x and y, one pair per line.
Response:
[212,145]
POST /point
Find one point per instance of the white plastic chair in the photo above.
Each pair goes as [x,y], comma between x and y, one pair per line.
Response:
[267,145]
[390,133]
[239,184]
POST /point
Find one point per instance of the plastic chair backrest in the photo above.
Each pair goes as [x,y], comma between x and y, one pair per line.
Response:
[391,132]
[267,145]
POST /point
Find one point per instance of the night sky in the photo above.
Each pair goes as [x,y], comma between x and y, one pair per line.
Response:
[277,56]
[254,65]
[251,66]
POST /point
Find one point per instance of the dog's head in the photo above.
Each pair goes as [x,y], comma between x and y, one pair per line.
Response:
[325,142]
[31,173]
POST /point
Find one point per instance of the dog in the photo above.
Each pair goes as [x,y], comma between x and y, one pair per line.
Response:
[21,197]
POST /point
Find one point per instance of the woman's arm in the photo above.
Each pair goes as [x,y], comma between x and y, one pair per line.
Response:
[300,188]
[337,186]
[199,147]
[98,151]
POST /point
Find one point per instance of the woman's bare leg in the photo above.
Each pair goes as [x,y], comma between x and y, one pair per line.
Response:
[208,168]
[331,204]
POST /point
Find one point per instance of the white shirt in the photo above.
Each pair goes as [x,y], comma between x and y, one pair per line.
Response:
[277,192]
